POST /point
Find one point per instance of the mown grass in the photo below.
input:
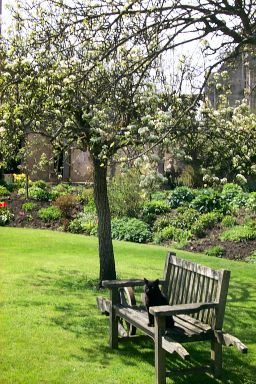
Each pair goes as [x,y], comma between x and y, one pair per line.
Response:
[52,332]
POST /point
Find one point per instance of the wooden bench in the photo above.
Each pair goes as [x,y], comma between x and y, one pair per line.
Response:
[197,299]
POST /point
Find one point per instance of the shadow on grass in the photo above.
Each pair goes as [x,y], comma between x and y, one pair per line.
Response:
[83,320]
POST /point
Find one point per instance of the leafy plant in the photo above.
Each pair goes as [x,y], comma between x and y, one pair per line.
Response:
[40,184]
[230,191]
[49,213]
[40,194]
[198,229]
[217,251]
[181,195]
[125,196]
[251,203]
[171,233]
[130,229]
[205,221]
[5,216]
[29,206]
[239,233]
[84,223]
[4,192]
[66,204]
[185,217]
[228,221]
[208,200]
[60,190]
[85,195]
[151,209]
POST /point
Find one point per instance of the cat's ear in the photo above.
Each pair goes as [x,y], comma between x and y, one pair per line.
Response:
[145,281]
[156,282]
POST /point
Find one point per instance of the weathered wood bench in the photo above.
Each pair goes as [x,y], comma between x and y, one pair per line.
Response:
[197,299]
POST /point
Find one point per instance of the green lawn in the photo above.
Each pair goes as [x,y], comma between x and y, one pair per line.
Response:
[52,332]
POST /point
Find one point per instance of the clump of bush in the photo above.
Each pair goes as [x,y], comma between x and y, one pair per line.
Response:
[251,202]
[4,192]
[49,213]
[125,195]
[217,251]
[231,191]
[40,184]
[39,194]
[151,209]
[66,204]
[29,206]
[85,195]
[130,229]
[239,233]
[61,189]
[5,216]
[208,200]
[180,196]
[205,222]
[185,217]
[85,223]
[171,233]
[228,221]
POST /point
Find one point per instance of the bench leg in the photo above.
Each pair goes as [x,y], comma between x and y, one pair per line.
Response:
[113,320]
[216,356]
[159,351]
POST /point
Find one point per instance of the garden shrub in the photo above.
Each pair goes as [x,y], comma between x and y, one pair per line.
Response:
[29,206]
[20,180]
[162,221]
[230,191]
[4,192]
[180,196]
[66,204]
[49,213]
[217,251]
[60,189]
[85,223]
[151,209]
[210,219]
[159,195]
[39,194]
[5,216]
[208,200]
[130,229]
[198,229]
[90,207]
[239,233]
[234,195]
[172,233]
[85,195]
[228,221]
[250,222]
[251,202]
[125,195]
[205,222]
[40,184]
[185,217]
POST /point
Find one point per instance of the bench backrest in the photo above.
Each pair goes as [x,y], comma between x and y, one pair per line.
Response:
[188,282]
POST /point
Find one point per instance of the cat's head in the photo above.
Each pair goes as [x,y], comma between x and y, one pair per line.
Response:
[151,287]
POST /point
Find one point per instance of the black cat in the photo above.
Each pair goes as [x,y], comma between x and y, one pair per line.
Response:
[154,297]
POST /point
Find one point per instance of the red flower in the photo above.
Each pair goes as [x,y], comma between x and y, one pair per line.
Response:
[3,204]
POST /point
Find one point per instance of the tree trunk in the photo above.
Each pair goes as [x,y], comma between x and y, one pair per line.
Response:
[106,252]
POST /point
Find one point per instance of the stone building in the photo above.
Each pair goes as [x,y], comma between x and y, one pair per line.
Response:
[240,81]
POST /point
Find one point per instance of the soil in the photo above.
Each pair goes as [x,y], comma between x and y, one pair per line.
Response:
[233,250]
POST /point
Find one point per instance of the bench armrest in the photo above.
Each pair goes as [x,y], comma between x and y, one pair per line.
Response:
[110,284]
[169,310]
